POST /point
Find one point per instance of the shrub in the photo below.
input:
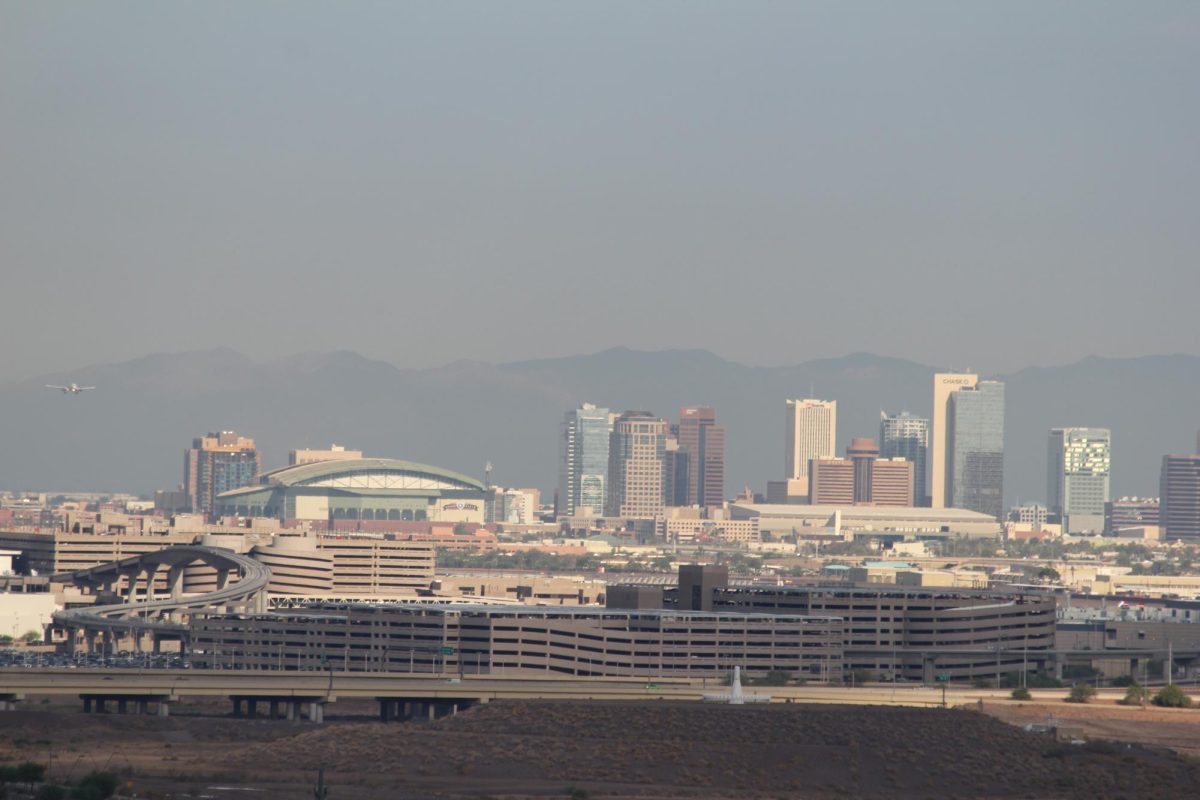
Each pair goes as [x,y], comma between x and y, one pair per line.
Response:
[1171,696]
[30,772]
[50,791]
[1081,693]
[1021,693]
[1135,695]
[1124,680]
[775,677]
[96,785]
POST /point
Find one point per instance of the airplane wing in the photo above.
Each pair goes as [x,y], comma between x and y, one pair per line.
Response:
[52,386]
[84,388]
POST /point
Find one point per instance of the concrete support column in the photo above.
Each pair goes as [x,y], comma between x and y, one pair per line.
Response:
[385,710]
[87,705]
[274,712]
[432,710]
[316,712]
[291,710]
[143,706]
[251,708]
[222,578]
[164,708]
[175,580]
[100,706]
[237,706]
[122,705]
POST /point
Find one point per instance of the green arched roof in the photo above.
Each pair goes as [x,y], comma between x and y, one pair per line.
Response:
[302,474]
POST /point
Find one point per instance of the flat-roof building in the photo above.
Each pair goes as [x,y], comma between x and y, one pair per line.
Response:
[882,522]
[512,641]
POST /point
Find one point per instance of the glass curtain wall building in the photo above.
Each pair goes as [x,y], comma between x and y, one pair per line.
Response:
[906,436]
[583,460]
[976,448]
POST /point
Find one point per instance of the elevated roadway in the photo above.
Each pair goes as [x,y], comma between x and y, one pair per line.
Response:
[159,615]
[332,686]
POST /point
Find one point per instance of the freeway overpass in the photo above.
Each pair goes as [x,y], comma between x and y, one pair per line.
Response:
[424,696]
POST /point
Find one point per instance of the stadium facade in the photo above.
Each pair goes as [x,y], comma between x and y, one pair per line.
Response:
[368,489]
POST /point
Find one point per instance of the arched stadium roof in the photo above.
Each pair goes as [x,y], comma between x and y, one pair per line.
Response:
[369,473]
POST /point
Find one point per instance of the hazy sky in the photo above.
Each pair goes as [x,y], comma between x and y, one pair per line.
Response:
[960,183]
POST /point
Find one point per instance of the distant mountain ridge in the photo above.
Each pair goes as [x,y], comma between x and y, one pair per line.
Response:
[130,434]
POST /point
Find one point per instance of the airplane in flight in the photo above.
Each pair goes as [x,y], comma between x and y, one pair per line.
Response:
[70,388]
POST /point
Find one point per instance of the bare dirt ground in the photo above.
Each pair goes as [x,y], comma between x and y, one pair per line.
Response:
[1176,728]
[606,750]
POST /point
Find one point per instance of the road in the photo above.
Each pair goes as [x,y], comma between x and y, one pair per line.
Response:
[176,684]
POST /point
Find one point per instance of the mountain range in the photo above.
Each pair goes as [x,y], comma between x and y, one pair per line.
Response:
[130,433]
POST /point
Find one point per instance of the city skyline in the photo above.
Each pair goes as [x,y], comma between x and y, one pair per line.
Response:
[170,398]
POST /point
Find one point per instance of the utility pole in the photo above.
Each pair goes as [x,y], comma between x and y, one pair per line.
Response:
[320,791]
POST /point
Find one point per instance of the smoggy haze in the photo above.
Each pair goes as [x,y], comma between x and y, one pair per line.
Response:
[961,184]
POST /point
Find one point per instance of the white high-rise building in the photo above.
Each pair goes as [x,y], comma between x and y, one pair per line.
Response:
[811,433]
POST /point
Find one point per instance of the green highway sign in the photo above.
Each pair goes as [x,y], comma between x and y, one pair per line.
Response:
[447,651]
[944,677]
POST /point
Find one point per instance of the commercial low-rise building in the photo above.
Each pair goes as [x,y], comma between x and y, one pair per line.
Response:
[851,521]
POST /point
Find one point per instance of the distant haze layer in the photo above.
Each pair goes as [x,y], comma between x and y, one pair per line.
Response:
[129,434]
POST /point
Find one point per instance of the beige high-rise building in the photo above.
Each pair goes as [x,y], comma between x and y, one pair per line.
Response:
[637,466]
[811,433]
[944,385]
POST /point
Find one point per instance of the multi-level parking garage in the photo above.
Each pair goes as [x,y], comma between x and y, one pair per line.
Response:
[512,642]
[895,632]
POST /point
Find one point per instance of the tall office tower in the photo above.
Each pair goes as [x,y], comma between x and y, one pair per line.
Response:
[704,441]
[1077,467]
[583,461]
[906,436]
[637,470]
[945,384]
[678,466]
[218,463]
[975,463]
[811,433]
[1179,503]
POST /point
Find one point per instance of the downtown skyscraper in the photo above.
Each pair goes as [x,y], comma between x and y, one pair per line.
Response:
[1179,503]
[703,440]
[583,461]
[811,433]
[906,436]
[975,438]
[1078,462]
[945,384]
[637,466]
